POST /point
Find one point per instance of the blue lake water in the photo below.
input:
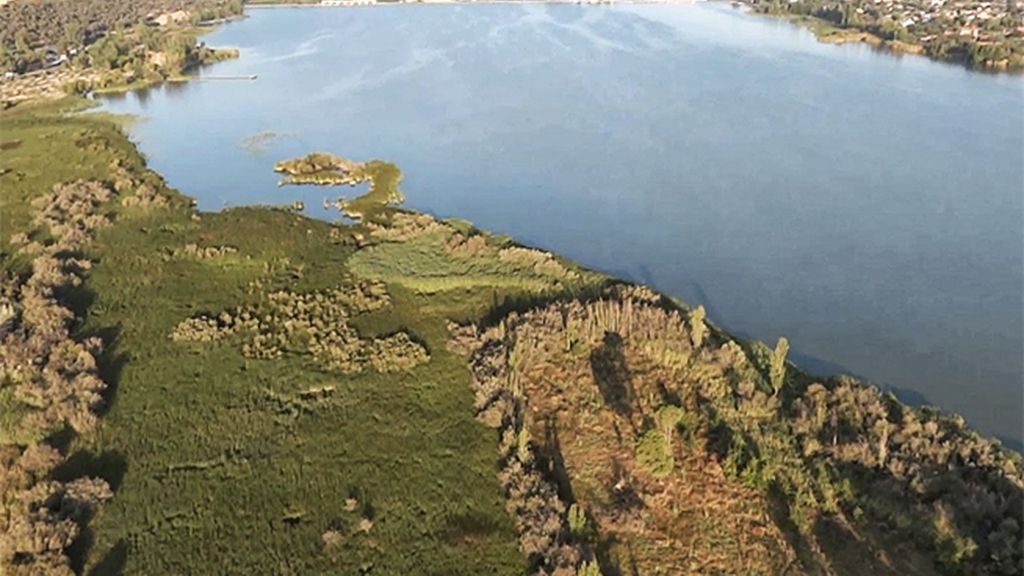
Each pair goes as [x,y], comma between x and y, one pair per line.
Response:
[867,206]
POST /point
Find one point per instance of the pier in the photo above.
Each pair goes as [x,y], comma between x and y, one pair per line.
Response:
[239,77]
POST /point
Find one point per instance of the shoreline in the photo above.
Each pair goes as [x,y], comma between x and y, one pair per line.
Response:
[824,31]
[268,5]
[827,32]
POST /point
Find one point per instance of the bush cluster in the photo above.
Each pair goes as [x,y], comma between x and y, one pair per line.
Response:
[70,214]
[636,293]
[146,196]
[198,252]
[921,469]
[538,262]
[315,163]
[459,246]
[405,226]
[541,262]
[54,377]
[429,256]
[542,519]
[314,323]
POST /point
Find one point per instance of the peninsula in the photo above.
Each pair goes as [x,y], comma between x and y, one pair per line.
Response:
[408,389]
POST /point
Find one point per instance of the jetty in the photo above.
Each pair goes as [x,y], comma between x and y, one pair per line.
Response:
[239,77]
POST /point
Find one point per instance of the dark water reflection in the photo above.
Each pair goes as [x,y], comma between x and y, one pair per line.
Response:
[868,207]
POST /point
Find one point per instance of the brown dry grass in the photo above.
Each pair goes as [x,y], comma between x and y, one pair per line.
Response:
[695,521]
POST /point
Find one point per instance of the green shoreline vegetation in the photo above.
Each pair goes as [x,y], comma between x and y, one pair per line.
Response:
[265,393]
[52,47]
[981,36]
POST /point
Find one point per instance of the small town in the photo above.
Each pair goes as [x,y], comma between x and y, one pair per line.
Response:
[985,21]
[982,35]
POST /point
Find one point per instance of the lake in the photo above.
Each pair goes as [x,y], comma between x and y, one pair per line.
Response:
[867,206]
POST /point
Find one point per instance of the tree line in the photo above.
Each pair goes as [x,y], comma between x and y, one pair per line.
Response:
[49,382]
[30,32]
[831,449]
[994,42]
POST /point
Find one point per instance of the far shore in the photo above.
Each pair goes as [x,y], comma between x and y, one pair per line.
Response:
[462,2]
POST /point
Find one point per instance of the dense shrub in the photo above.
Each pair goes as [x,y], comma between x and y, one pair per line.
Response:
[54,377]
[314,323]
[836,448]
[654,453]
[28,29]
[542,519]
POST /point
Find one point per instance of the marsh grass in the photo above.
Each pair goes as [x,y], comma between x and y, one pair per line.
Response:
[430,256]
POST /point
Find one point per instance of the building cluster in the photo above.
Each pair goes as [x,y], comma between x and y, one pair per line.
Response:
[986,20]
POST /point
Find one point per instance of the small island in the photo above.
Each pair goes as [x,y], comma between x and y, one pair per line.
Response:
[322,169]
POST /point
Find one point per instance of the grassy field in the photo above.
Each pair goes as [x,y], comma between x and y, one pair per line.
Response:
[221,460]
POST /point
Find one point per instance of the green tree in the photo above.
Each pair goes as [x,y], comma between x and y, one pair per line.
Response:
[698,329]
[667,418]
[148,37]
[654,454]
[778,367]
[6,61]
[72,37]
[578,524]
[21,42]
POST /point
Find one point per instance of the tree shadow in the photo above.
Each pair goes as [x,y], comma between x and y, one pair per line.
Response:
[608,549]
[607,561]
[622,495]
[113,562]
[612,374]
[778,509]
[470,526]
[78,298]
[669,396]
[525,302]
[110,465]
[110,362]
[553,461]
